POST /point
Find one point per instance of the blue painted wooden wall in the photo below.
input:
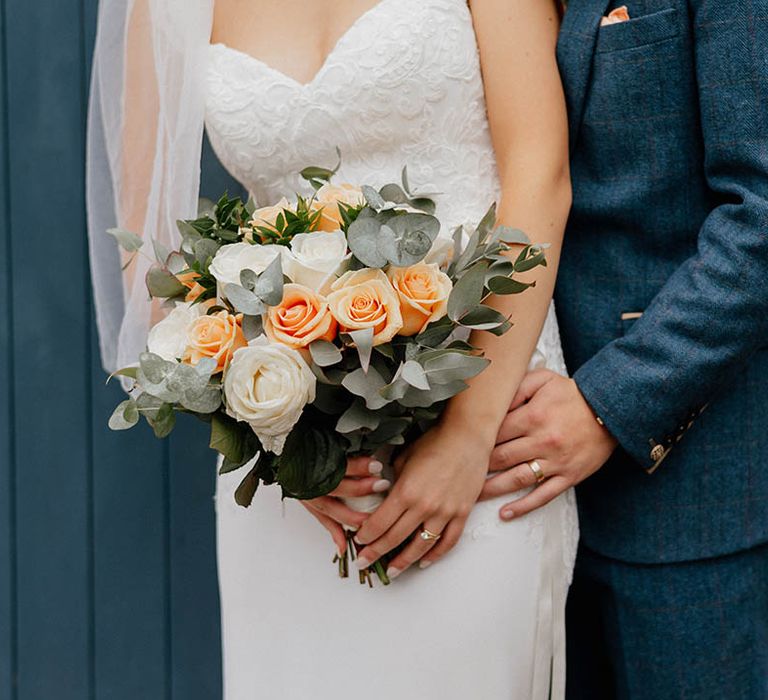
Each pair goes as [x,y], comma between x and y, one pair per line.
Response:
[107,559]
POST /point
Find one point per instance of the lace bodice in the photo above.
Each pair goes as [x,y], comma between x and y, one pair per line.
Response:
[401,87]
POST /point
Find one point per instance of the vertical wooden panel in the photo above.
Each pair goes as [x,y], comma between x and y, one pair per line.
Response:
[51,347]
[7,475]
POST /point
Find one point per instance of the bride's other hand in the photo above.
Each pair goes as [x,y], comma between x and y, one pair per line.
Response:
[363,478]
[440,478]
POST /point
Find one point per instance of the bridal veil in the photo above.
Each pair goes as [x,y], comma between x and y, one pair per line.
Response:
[145,129]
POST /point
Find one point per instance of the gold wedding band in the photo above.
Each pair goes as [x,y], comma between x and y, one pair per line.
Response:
[428,536]
[538,472]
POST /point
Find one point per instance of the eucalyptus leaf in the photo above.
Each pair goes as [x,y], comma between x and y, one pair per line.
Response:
[162,283]
[357,416]
[414,374]
[468,291]
[483,318]
[389,432]
[149,406]
[373,198]
[176,263]
[395,194]
[269,285]
[205,207]
[164,421]
[161,252]
[507,285]
[244,301]
[436,332]
[324,353]
[536,257]
[366,385]
[206,400]
[205,249]
[467,253]
[507,234]
[363,340]
[253,327]
[415,398]
[487,223]
[130,372]
[248,279]
[125,416]
[363,238]
[454,366]
[154,367]
[127,240]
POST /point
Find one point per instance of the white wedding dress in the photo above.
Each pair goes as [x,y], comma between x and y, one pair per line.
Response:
[401,87]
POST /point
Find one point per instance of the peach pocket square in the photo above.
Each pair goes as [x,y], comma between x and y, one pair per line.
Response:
[620,14]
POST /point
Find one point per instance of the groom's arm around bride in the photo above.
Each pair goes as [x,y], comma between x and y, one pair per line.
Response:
[663,305]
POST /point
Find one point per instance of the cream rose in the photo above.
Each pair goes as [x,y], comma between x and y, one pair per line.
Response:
[217,336]
[268,386]
[300,318]
[365,299]
[267,216]
[232,259]
[327,200]
[315,258]
[168,338]
[423,291]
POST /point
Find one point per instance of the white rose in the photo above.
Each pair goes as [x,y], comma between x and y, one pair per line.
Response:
[168,338]
[267,386]
[232,259]
[315,258]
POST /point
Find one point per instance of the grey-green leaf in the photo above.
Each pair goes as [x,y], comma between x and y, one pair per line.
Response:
[364,239]
[244,301]
[357,416]
[363,340]
[468,291]
[163,283]
[128,240]
[324,354]
[367,385]
[269,285]
[125,416]
[413,373]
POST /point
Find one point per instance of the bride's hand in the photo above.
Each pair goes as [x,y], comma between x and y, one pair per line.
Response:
[440,478]
[362,479]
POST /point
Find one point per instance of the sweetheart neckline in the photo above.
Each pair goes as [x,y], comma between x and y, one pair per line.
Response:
[350,30]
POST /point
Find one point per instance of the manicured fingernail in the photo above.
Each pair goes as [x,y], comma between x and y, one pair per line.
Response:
[375,467]
[356,538]
[381,485]
[362,563]
[425,564]
[507,514]
[392,572]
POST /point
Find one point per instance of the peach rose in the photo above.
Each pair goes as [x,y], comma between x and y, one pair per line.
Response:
[301,318]
[423,291]
[217,336]
[366,299]
[327,200]
[188,280]
[267,216]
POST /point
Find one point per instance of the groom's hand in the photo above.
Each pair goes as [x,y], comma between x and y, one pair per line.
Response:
[548,422]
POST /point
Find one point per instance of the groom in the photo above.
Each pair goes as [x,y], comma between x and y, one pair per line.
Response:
[663,304]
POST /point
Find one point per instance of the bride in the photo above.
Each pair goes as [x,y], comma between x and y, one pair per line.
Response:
[468,96]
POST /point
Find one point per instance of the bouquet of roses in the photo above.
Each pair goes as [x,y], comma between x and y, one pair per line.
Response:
[312,330]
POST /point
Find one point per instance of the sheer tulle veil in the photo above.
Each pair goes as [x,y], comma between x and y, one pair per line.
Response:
[145,131]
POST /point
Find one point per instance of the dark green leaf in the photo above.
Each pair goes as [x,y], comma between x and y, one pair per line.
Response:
[163,284]
[313,462]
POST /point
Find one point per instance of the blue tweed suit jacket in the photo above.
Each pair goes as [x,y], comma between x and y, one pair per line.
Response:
[663,289]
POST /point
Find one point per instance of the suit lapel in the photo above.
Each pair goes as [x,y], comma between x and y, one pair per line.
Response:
[575,53]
